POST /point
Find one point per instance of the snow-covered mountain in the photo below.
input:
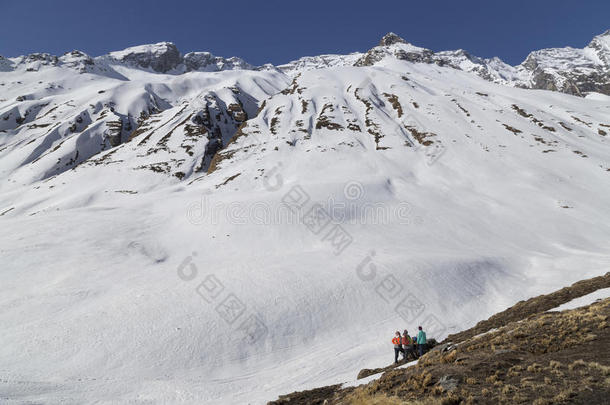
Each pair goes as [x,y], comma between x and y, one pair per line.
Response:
[195,229]
[569,70]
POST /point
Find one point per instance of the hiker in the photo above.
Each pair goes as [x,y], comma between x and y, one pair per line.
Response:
[421,341]
[407,345]
[397,346]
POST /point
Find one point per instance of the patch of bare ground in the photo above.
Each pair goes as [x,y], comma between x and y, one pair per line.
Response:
[421,137]
[465,111]
[104,159]
[6,211]
[159,167]
[371,126]
[535,120]
[512,129]
[294,87]
[580,153]
[393,100]
[228,179]
[275,121]
[325,121]
[581,121]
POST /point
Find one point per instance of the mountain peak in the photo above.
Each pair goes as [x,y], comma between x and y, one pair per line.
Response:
[601,46]
[390,38]
[160,57]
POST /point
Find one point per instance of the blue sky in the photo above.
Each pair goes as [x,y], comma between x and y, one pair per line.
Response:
[279,31]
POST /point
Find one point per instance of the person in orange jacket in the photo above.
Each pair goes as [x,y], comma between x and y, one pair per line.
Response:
[397,341]
[407,345]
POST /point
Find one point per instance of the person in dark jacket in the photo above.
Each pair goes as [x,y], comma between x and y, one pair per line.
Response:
[397,341]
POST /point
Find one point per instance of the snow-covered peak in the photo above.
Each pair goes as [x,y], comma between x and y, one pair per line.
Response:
[392,46]
[569,70]
[318,62]
[164,57]
[160,57]
[206,62]
[34,61]
[77,60]
[600,45]
[390,39]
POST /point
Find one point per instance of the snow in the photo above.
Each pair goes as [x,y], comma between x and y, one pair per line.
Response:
[366,380]
[598,97]
[588,299]
[318,62]
[102,263]
[154,49]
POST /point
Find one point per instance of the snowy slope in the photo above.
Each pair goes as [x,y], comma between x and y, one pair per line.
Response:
[588,299]
[431,185]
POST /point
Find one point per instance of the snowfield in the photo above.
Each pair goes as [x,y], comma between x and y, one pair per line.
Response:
[588,299]
[222,237]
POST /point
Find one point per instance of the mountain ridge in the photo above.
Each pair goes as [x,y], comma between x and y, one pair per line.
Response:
[569,70]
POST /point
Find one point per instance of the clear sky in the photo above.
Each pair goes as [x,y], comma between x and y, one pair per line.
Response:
[279,31]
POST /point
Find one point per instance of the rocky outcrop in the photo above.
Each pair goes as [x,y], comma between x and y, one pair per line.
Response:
[570,70]
[161,57]
[206,62]
[390,39]
[77,60]
[391,45]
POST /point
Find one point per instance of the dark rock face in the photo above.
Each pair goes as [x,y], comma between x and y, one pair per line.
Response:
[569,70]
[390,39]
[161,57]
[205,61]
[425,56]
[576,82]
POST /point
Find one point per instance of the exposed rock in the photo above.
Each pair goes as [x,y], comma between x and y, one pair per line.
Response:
[568,70]
[205,61]
[161,57]
[448,382]
[390,39]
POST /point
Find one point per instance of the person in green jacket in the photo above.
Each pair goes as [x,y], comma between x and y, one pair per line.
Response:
[421,341]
